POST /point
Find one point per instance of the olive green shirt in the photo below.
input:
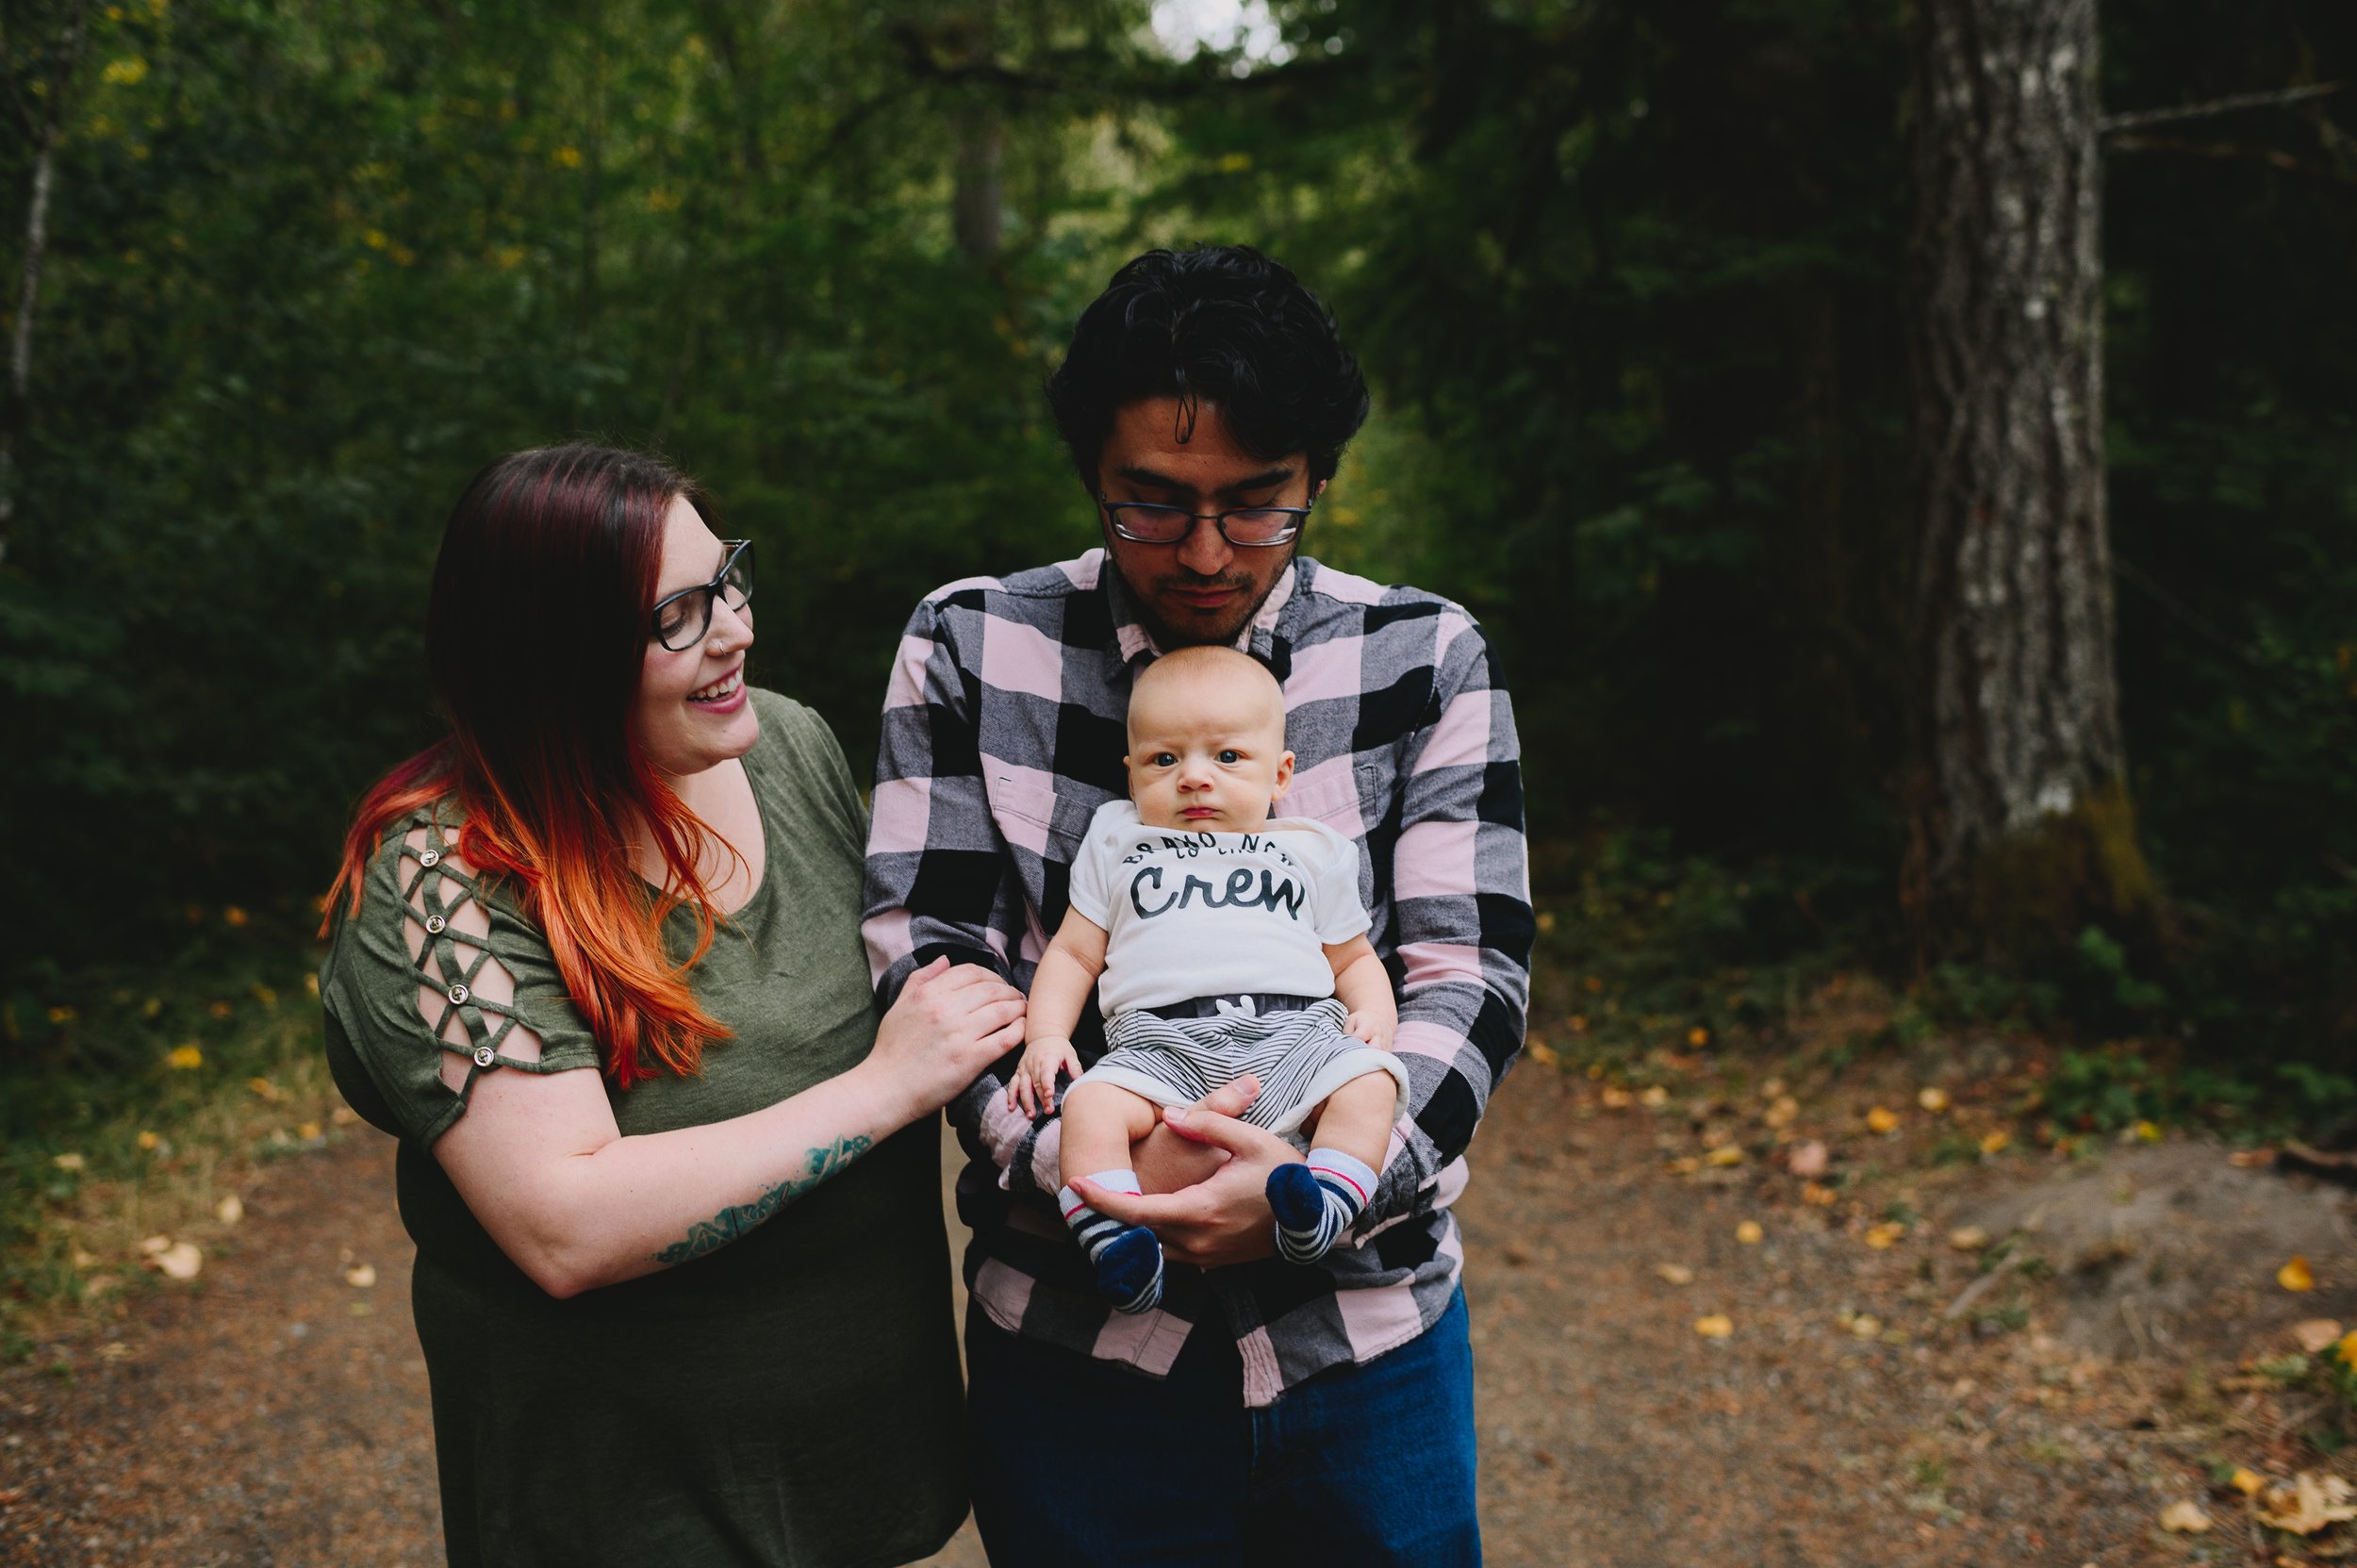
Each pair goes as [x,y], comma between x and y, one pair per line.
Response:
[791,1398]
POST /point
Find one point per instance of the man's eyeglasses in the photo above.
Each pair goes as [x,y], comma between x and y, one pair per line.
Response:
[1147,523]
[681,620]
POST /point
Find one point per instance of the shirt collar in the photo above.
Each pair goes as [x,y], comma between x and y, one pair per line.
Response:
[1132,642]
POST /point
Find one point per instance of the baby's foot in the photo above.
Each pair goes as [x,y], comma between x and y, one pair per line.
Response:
[1127,1258]
[1129,1270]
[1316,1202]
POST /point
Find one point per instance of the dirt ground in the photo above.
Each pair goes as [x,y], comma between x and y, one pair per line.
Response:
[274,1412]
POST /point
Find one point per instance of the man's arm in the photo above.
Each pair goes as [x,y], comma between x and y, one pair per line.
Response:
[935,863]
[1461,922]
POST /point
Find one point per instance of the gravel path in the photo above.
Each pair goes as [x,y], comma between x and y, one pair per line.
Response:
[275,1413]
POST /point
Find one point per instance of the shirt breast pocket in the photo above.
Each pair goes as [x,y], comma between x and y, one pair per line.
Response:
[1032,813]
[1344,795]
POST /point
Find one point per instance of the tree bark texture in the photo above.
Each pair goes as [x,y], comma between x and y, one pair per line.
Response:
[2018,712]
[977,195]
[17,410]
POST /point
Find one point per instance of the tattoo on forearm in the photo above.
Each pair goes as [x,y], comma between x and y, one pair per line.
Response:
[733,1221]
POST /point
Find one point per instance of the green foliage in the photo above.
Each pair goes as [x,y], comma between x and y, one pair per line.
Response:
[1648,945]
[1628,282]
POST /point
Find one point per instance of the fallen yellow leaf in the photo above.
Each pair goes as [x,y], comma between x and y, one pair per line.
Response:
[234,915]
[150,1141]
[2295,1275]
[1717,1325]
[2347,1349]
[1749,1233]
[1866,1326]
[1698,1036]
[1995,1143]
[1654,1097]
[1882,1236]
[262,1088]
[2308,1504]
[1882,1120]
[229,1209]
[85,1260]
[1967,1238]
[1817,1193]
[68,1162]
[2186,1517]
[1676,1274]
[1685,1165]
[180,1261]
[154,1245]
[307,1131]
[1725,1155]
[2149,1132]
[2246,1482]
[1783,1112]
[1934,1101]
[1540,1052]
[361,1276]
[1615,1099]
[2315,1334]
[184,1058]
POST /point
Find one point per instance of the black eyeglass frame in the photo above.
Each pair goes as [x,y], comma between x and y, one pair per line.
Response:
[1217,519]
[739,552]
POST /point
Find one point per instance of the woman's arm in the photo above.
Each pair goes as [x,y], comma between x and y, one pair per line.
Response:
[576,1205]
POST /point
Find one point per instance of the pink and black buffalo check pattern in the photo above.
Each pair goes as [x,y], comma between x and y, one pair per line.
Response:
[1003,733]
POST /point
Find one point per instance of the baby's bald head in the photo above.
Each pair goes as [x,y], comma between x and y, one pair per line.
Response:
[1207,741]
[1219,682]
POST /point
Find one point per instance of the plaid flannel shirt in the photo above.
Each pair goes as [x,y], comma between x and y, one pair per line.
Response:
[1004,732]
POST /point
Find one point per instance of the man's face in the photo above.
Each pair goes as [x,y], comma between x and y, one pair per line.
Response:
[1201,590]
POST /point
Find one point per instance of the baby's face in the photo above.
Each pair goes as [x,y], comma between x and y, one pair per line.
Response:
[1208,753]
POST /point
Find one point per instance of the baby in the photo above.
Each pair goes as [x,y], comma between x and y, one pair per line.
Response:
[1226,944]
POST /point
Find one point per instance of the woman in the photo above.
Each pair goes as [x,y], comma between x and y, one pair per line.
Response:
[680,1279]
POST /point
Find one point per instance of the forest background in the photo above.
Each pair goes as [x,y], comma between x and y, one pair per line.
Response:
[1631,282]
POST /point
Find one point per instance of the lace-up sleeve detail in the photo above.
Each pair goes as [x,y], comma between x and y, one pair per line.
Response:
[436,983]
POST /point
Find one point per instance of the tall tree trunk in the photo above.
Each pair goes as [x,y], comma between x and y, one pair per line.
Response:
[16,412]
[978,193]
[2023,827]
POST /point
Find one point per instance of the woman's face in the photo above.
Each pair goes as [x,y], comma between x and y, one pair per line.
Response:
[693,711]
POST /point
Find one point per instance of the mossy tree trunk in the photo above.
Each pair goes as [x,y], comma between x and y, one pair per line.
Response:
[2023,826]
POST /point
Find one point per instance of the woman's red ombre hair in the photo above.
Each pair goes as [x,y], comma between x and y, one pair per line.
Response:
[536,632]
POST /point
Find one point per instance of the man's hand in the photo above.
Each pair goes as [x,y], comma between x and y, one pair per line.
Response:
[1167,1162]
[1034,1089]
[1222,1219]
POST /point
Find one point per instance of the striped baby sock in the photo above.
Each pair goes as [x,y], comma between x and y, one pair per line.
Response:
[1314,1203]
[1127,1259]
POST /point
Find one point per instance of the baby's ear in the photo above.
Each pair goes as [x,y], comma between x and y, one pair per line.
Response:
[1285,778]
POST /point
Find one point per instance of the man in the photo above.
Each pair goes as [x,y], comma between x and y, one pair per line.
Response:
[1267,1410]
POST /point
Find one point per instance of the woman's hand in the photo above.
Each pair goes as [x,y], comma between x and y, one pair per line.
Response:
[950,1023]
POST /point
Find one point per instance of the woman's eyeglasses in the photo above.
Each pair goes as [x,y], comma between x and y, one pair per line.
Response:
[681,620]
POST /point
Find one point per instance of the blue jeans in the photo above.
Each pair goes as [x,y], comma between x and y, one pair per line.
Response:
[1074,1462]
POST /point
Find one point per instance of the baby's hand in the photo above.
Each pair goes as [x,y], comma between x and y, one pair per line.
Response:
[1033,1090]
[1375,1030]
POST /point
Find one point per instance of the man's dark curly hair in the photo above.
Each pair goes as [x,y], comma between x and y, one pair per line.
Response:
[1220,324]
